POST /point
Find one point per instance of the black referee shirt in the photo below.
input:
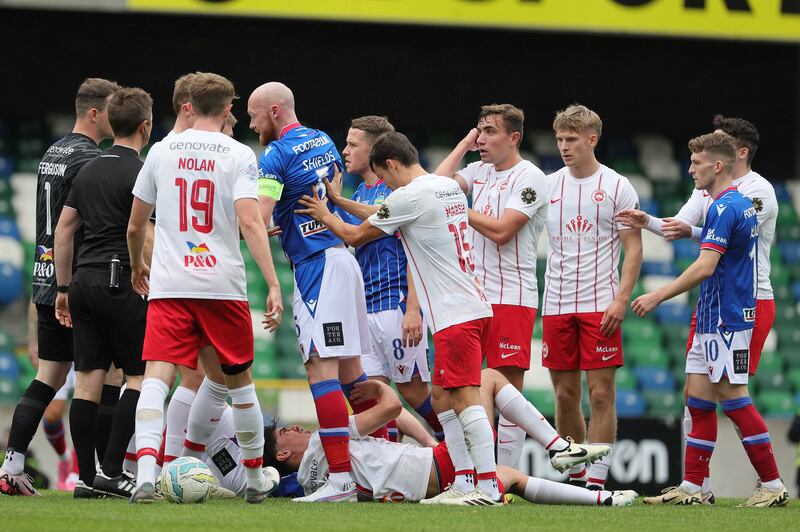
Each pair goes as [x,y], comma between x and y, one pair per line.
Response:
[58,168]
[102,193]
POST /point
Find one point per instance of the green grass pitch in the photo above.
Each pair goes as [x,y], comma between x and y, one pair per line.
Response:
[58,511]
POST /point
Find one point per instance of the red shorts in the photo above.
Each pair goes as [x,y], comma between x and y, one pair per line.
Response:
[574,341]
[446,471]
[508,342]
[178,328]
[458,354]
[765,317]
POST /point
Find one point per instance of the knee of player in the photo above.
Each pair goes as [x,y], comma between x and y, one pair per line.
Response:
[568,394]
[602,396]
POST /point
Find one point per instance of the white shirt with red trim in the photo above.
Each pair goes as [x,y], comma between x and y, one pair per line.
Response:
[582,274]
[508,272]
[194,178]
[431,215]
[761,192]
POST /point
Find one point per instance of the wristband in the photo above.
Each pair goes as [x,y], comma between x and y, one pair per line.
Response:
[62,288]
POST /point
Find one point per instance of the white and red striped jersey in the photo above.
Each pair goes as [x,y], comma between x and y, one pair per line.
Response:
[582,273]
[431,215]
[508,272]
[762,194]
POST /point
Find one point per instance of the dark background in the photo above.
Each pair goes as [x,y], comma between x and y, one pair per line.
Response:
[430,81]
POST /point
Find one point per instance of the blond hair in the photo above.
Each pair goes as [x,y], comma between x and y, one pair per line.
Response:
[180,94]
[210,93]
[720,144]
[578,118]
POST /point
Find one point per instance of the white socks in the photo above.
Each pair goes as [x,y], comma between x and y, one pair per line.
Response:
[207,409]
[598,471]
[543,491]
[177,418]
[457,449]
[14,463]
[249,426]
[149,427]
[510,440]
[513,407]
[480,444]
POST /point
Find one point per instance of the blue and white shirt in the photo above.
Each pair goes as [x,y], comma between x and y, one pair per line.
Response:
[728,298]
[382,261]
[289,167]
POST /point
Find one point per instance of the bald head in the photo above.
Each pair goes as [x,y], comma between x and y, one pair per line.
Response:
[273,93]
[271,107]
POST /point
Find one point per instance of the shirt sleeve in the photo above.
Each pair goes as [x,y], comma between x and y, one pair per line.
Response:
[468,173]
[72,197]
[627,199]
[399,209]
[718,228]
[692,211]
[529,193]
[271,173]
[145,187]
[245,184]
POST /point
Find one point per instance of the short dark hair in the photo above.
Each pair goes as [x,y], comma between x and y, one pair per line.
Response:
[372,125]
[513,117]
[271,450]
[93,94]
[210,93]
[128,108]
[180,94]
[743,132]
[720,144]
[392,145]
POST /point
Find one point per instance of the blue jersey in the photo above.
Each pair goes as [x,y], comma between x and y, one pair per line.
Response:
[299,160]
[382,261]
[728,298]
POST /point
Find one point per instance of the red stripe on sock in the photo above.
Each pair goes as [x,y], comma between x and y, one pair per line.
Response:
[598,498]
[393,436]
[579,474]
[253,463]
[761,455]
[465,472]
[199,447]
[598,481]
[168,458]
[147,451]
[552,442]
[487,476]
[131,457]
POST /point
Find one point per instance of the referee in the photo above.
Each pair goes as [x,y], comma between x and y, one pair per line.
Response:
[107,316]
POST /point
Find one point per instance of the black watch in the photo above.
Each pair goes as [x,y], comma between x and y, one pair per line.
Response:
[62,288]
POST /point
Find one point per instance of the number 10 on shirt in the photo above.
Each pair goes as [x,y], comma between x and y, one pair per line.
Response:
[202,202]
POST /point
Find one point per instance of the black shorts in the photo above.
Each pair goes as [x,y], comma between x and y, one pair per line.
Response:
[55,340]
[108,326]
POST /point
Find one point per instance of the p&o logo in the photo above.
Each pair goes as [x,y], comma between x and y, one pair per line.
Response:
[199,256]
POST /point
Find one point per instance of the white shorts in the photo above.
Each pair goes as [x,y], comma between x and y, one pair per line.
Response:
[718,354]
[330,310]
[69,386]
[389,358]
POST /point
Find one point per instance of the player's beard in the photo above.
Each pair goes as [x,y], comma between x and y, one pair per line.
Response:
[263,138]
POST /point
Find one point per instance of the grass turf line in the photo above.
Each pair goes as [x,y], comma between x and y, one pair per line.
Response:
[58,511]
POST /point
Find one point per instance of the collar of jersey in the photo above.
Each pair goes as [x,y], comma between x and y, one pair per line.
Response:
[378,182]
[718,196]
[287,128]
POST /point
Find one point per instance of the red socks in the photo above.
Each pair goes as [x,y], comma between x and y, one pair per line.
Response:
[755,436]
[333,424]
[700,442]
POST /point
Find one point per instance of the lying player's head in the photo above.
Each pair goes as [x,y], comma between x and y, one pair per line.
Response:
[130,112]
[211,95]
[360,139]
[284,447]
[91,103]
[744,134]
[229,124]
[578,130]
[713,156]
[390,155]
[270,107]
[500,128]
[180,97]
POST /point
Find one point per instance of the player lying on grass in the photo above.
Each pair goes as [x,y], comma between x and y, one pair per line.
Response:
[388,471]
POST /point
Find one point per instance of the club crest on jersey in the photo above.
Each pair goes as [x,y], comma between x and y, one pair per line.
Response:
[383,212]
[379,199]
[528,195]
[599,196]
[758,204]
[503,185]
[579,225]
[199,256]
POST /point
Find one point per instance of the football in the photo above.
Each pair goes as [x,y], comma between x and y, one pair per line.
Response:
[187,480]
